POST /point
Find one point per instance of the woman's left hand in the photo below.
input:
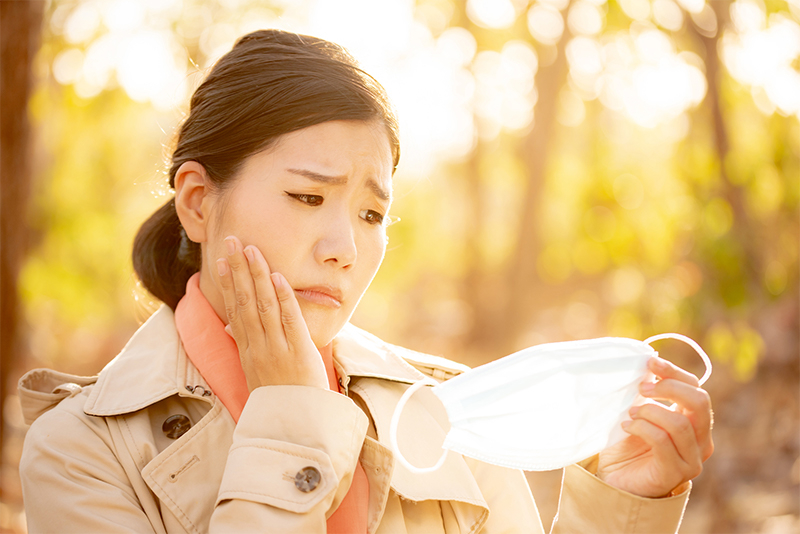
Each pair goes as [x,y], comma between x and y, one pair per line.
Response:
[666,447]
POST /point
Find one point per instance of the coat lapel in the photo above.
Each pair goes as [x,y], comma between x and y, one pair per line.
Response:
[377,374]
[186,476]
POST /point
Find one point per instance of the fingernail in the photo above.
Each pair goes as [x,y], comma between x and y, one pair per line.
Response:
[648,387]
[276,280]
[626,424]
[231,246]
[222,267]
[228,330]
[658,363]
[633,411]
[251,257]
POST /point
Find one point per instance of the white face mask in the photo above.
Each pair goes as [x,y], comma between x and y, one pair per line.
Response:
[545,407]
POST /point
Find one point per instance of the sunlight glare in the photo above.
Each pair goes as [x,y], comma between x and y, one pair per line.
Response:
[545,24]
[492,14]
[67,66]
[693,6]
[636,9]
[505,92]
[764,58]
[457,45]
[585,18]
[706,21]
[668,15]
[152,68]
[82,23]
[643,77]
[559,5]
[748,16]
[101,60]
[216,40]
[122,15]
[361,27]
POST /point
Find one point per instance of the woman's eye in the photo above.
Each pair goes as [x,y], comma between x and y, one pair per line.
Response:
[311,200]
[371,216]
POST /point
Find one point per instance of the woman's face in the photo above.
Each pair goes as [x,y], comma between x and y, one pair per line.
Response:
[315,203]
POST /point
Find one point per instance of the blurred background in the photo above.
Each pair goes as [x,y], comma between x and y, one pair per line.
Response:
[570,169]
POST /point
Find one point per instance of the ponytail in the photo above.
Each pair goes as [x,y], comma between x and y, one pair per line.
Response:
[163,257]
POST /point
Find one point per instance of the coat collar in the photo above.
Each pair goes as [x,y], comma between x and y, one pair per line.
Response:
[360,354]
[151,367]
[154,366]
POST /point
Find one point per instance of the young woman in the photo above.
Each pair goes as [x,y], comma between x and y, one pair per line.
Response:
[247,402]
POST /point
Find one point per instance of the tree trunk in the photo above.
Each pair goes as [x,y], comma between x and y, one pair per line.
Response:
[523,279]
[20,31]
[733,193]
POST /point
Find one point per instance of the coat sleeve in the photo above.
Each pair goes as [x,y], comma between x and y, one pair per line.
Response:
[72,482]
[282,432]
[588,504]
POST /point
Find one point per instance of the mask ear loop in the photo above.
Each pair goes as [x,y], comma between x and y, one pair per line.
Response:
[692,343]
[396,422]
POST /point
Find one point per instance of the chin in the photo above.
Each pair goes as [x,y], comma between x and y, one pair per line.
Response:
[323,329]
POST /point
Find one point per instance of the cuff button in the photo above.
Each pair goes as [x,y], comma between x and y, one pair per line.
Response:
[307,479]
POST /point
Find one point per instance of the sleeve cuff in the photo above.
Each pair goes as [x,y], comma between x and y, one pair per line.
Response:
[588,504]
[285,430]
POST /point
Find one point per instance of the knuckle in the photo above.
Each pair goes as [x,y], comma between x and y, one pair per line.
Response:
[264,306]
[257,274]
[242,299]
[697,469]
[288,319]
[662,438]
[708,450]
[235,264]
[684,425]
[230,312]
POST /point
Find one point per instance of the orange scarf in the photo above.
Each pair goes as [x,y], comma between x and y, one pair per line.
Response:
[216,356]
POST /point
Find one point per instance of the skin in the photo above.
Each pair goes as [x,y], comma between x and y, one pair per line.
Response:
[303,214]
[270,255]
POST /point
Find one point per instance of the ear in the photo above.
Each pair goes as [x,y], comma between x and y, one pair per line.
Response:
[192,196]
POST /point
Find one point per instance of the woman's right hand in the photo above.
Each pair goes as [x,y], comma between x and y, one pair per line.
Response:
[275,347]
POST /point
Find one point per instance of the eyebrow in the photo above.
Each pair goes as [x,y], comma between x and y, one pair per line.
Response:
[341,180]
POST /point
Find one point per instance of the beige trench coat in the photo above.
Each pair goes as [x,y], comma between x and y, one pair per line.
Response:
[96,458]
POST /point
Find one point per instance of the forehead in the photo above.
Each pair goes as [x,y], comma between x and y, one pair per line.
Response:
[354,149]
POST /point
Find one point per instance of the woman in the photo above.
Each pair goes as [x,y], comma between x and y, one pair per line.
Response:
[248,403]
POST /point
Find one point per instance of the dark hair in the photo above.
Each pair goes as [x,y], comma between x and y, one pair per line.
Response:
[271,83]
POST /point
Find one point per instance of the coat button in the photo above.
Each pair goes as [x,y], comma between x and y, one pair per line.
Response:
[176,425]
[307,479]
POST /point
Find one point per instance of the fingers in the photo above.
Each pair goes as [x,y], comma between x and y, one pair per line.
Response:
[666,369]
[694,402]
[237,329]
[294,326]
[266,303]
[678,428]
[674,469]
[244,287]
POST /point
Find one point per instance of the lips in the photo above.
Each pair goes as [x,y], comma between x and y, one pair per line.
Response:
[322,295]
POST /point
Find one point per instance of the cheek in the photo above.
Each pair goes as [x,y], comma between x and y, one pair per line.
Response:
[374,250]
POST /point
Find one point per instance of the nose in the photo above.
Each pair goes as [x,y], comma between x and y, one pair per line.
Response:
[337,245]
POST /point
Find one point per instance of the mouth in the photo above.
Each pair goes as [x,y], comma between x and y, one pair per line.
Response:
[322,295]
